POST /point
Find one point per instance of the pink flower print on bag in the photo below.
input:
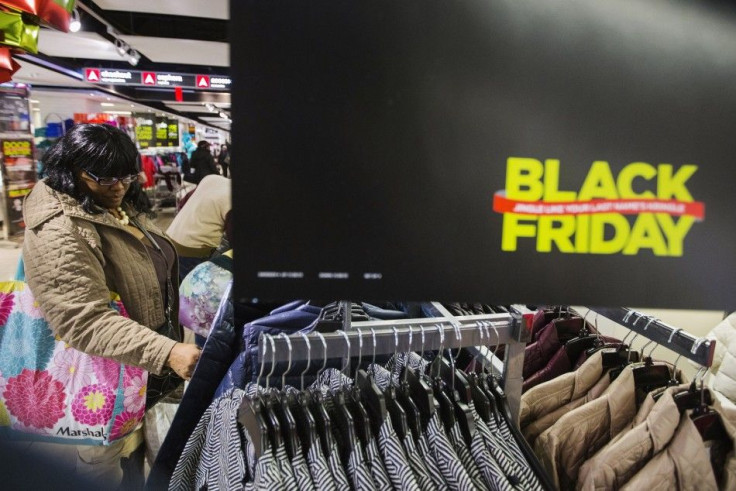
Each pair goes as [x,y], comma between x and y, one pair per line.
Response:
[7,301]
[28,304]
[135,393]
[124,424]
[93,405]
[107,371]
[35,398]
[72,368]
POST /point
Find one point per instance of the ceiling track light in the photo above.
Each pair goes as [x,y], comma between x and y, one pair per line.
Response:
[133,57]
[75,24]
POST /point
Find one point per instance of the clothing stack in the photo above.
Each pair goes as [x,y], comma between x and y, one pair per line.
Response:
[604,426]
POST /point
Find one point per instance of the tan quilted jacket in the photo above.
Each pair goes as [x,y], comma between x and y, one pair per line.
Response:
[73,259]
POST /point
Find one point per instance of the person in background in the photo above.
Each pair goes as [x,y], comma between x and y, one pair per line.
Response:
[85,237]
[203,162]
[224,159]
[198,229]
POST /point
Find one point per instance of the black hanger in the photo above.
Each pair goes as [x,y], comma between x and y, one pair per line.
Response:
[283,412]
[453,386]
[299,404]
[372,395]
[648,375]
[709,424]
[487,381]
[355,405]
[342,417]
[250,416]
[317,407]
[403,396]
[272,422]
[397,413]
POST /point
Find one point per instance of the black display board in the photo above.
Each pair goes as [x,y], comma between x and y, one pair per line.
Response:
[173,132]
[162,131]
[145,130]
[485,150]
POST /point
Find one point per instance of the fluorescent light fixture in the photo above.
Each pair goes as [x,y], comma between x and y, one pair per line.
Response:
[36,109]
[121,113]
[33,101]
[107,104]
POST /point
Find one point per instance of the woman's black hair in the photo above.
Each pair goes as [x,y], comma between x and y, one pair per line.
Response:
[101,149]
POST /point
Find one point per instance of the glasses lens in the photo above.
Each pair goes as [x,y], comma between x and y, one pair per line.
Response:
[111,181]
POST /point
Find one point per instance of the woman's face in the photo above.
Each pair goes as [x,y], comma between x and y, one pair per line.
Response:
[106,196]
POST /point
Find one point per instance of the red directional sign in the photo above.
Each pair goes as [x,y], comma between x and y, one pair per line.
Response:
[92,75]
[203,82]
[148,78]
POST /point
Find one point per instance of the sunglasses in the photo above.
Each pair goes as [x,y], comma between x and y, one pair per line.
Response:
[111,181]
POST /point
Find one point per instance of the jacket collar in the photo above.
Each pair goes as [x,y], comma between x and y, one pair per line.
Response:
[663,419]
[587,375]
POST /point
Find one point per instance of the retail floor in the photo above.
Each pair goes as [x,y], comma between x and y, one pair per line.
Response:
[10,250]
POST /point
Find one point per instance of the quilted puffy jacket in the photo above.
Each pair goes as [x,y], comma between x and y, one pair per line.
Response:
[724,361]
[73,259]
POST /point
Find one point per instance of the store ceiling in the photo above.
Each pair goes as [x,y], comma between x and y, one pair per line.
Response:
[181,36]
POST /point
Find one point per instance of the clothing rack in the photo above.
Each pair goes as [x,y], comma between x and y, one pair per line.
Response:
[397,336]
[699,350]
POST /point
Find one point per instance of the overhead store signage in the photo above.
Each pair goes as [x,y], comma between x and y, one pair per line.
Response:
[108,76]
[506,152]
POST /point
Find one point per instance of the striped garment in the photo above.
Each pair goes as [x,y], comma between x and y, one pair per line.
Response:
[267,476]
[338,473]
[501,451]
[452,469]
[430,463]
[287,473]
[213,456]
[514,451]
[463,453]
[301,472]
[397,465]
[358,471]
[417,464]
[319,469]
[492,473]
[375,464]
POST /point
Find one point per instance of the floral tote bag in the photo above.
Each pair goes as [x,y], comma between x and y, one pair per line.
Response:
[52,392]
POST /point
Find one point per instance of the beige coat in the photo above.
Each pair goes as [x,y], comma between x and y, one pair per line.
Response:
[73,259]
[576,436]
[544,404]
[683,465]
[618,462]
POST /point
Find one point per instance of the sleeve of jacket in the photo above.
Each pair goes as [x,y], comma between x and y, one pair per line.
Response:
[68,282]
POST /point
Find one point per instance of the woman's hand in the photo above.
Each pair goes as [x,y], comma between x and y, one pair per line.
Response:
[183,358]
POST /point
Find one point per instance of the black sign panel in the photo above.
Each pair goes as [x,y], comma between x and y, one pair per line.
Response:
[497,151]
[145,130]
[173,132]
[162,131]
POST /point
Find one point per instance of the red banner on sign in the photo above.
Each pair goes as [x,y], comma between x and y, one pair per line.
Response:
[502,204]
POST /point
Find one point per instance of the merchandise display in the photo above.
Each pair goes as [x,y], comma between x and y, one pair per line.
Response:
[515,171]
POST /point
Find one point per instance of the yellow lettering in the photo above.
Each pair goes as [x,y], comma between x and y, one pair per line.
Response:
[646,234]
[671,186]
[675,232]
[582,235]
[552,183]
[513,229]
[524,179]
[629,173]
[561,236]
[598,183]
[598,242]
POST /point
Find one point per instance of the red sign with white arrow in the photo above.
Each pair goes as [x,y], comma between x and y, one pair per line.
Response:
[203,82]
[92,75]
[148,78]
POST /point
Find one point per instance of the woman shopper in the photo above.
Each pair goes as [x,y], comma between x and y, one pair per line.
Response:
[89,232]
[203,162]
